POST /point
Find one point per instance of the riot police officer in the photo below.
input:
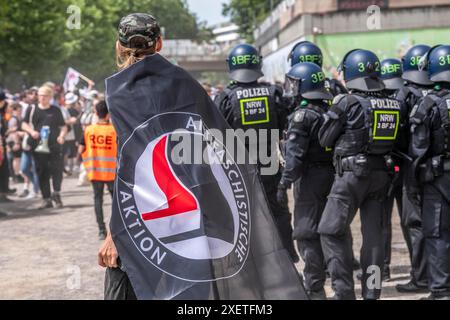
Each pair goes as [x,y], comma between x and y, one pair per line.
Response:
[391,75]
[309,166]
[237,104]
[306,51]
[430,138]
[362,126]
[418,85]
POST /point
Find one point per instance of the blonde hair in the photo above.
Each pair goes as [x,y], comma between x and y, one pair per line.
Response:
[47,90]
[125,57]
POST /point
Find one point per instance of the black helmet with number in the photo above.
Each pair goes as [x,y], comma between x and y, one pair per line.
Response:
[438,60]
[308,81]
[305,51]
[391,74]
[415,69]
[361,70]
[244,64]
[138,31]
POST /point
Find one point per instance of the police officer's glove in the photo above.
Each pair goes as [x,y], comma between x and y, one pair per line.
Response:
[282,197]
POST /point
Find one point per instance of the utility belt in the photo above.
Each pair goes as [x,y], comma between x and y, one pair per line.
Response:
[434,167]
[319,164]
[362,164]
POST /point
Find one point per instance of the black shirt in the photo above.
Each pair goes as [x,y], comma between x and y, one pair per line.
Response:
[51,117]
[77,126]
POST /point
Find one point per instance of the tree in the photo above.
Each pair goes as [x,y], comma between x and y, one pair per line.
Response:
[248,14]
[37,45]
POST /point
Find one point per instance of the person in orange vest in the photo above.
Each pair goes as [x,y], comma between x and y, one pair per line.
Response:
[98,149]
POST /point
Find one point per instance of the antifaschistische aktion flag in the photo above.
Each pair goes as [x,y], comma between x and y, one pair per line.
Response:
[185,230]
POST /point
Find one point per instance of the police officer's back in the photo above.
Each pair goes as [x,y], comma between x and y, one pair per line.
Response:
[249,105]
[430,147]
[418,85]
[362,127]
[309,166]
[391,75]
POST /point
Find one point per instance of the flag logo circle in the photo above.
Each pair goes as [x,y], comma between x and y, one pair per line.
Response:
[184,218]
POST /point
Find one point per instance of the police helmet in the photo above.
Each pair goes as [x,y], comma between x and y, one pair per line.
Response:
[244,64]
[306,51]
[307,80]
[438,60]
[391,74]
[138,31]
[362,70]
[415,69]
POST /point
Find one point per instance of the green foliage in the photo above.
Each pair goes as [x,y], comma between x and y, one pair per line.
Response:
[248,14]
[36,45]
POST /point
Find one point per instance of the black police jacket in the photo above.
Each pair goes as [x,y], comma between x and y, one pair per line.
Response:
[302,147]
[430,127]
[411,94]
[254,106]
[362,123]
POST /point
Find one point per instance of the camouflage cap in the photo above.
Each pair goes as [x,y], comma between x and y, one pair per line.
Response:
[138,30]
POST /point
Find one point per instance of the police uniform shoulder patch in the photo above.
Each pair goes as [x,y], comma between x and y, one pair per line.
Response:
[338,98]
[299,116]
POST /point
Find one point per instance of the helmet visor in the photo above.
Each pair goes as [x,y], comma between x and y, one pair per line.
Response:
[368,84]
[394,83]
[418,77]
[246,75]
[291,87]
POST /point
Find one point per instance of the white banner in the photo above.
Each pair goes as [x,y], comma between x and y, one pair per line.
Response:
[72,79]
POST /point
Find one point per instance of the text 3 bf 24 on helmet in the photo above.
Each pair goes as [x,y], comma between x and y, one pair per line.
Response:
[362,70]
[391,74]
[306,51]
[414,68]
[244,64]
[438,61]
[307,80]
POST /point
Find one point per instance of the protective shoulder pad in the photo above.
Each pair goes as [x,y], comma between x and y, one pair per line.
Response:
[299,116]
[422,109]
[338,98]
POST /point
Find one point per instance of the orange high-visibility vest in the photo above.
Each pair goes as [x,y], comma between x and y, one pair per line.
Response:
[100,156]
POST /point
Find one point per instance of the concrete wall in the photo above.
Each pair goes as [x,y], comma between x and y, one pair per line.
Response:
[348,21]
[356,21]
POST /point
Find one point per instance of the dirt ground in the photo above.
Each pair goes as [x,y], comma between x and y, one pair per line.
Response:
[52,254]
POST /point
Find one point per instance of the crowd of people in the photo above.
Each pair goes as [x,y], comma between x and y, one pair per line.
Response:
[41,130]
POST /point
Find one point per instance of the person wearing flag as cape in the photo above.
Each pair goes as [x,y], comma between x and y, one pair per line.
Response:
[182,230]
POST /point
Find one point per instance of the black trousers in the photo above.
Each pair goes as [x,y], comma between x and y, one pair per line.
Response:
[411,221]
[310,194]
[395,196]
[348,194]
[4,174]
[281,215]
[118,286]
[99,187]
[49,166]
[436,229]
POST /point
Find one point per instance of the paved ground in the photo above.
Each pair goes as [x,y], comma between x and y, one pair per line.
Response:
[52,254]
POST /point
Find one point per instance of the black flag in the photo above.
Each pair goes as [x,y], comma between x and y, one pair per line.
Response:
[188,229]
